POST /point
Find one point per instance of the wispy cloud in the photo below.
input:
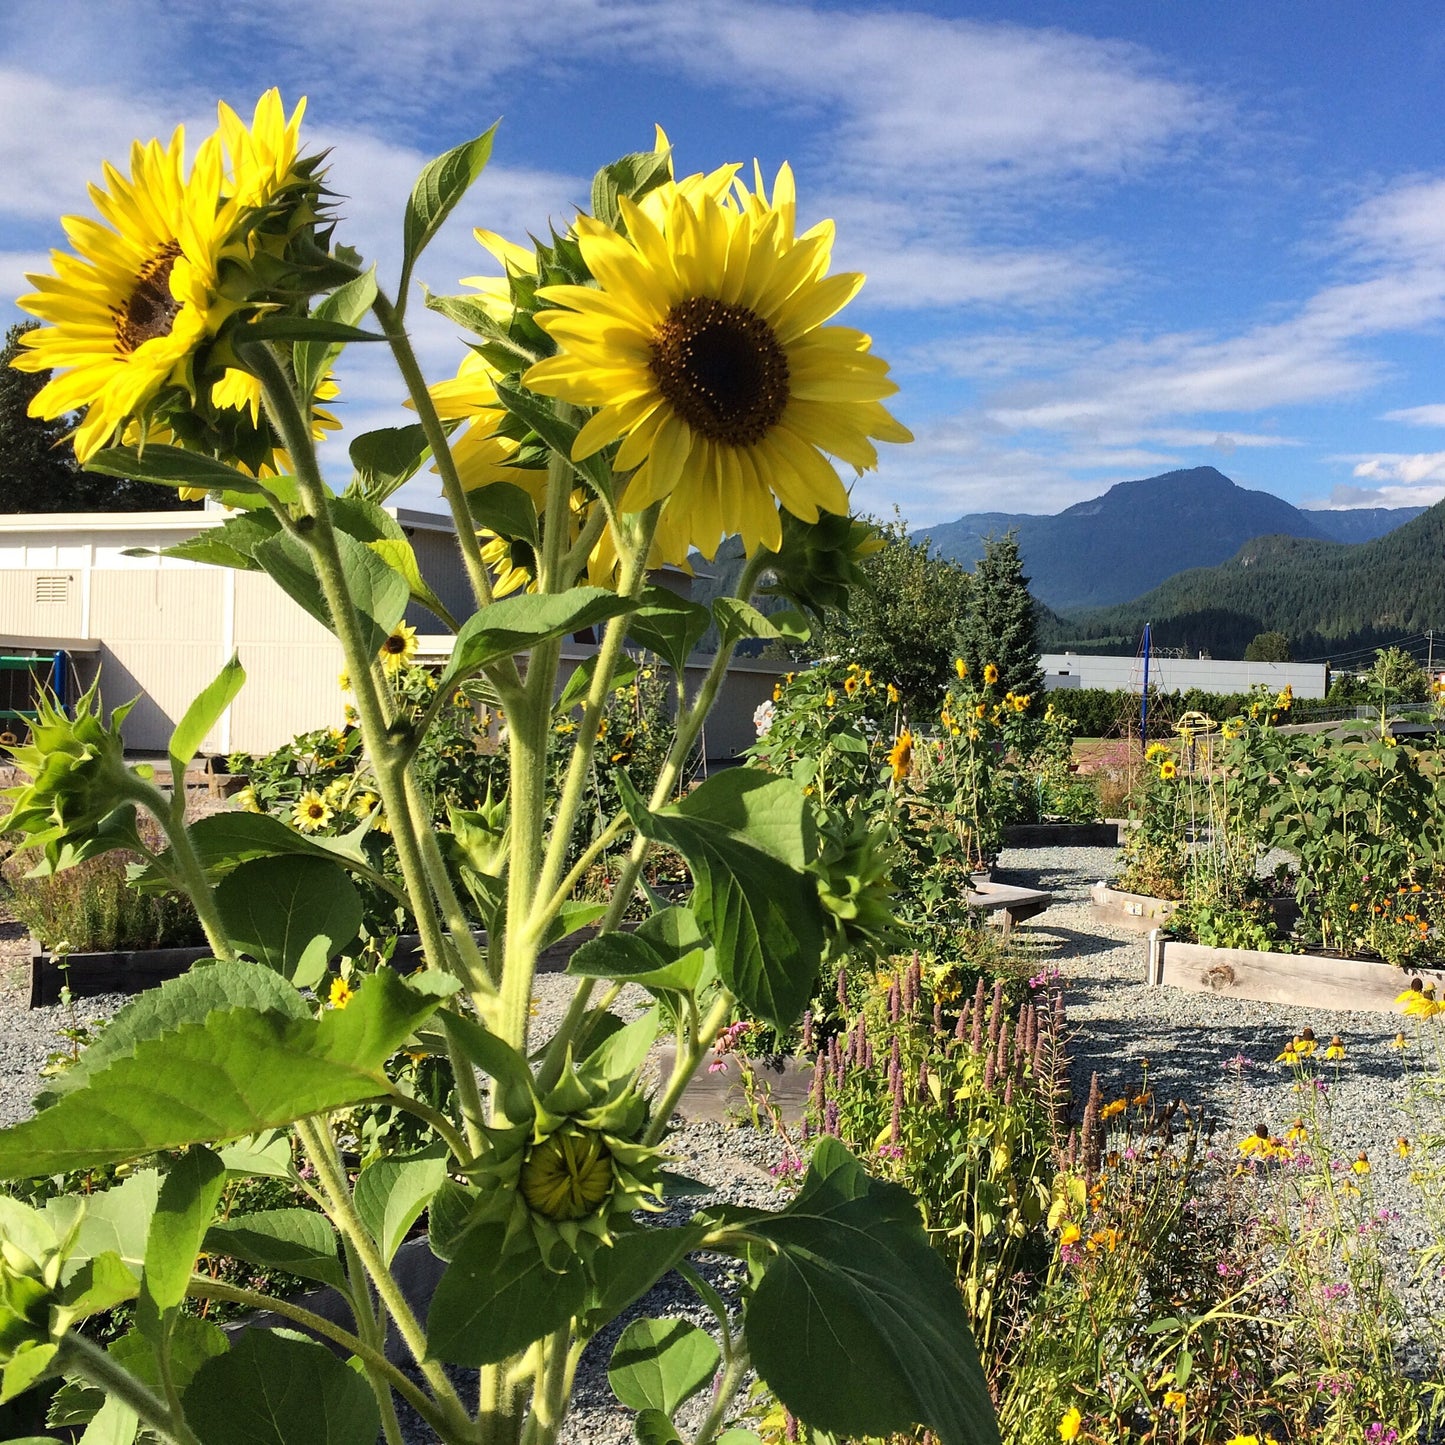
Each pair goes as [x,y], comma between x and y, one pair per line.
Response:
[1432,415]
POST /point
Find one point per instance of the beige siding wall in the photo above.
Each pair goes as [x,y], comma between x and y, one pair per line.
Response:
[42,601]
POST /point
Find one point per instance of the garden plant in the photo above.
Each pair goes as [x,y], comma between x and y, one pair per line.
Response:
[655,375]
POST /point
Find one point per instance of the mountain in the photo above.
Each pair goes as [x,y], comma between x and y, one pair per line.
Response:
[1325,596]
[1361,524]
[1117,546]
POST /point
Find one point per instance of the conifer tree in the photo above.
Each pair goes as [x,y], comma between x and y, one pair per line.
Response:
[1000,626]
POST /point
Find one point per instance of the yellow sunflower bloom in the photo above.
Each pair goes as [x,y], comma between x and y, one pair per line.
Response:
[1168,768]
[900,756]
[960,667]
[130,311]
[1154,751]
[341,993]
[704,347]
[399,648]
[990,674]
[894,696]
[312,812]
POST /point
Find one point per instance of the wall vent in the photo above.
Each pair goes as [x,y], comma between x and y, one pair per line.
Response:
[52,589]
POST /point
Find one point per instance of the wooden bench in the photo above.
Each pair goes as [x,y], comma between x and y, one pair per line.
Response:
[1006,904]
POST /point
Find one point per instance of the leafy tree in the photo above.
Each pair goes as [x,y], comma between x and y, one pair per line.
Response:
[904,624]
[1268,647]
[38,470]
[1399,677]
[1000,626]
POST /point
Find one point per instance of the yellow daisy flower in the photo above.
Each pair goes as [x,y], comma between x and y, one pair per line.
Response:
[704,347]
[399,648]
[1071,1424]
[139,300]
[312,812]
[1168,769]
[1155,751]
[341,993]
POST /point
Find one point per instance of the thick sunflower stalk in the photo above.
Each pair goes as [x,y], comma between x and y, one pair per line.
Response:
[657,377]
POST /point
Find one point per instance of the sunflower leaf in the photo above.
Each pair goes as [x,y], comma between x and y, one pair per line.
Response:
[669,625]
[514,624]
[539,415]
[232,544]
[506,510]
[202,716]
[305,328]
[348,304]
[387,457]
[505,351]
[442,183]
[172,467]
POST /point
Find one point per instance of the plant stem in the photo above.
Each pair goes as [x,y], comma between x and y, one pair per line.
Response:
[727,1388]
[84,1357]
[685,1065]
[315,1136]
[204,1287]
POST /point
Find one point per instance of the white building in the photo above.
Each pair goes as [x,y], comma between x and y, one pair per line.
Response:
[158,629]
[1180,674]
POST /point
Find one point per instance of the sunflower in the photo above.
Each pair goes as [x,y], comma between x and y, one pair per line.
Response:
[900,756]
[341,993]
[990,674]
[960,667]
[704,347]
[262,155]
[399,648]
[1168,768]
[131,310]
[481,454]
[312,812]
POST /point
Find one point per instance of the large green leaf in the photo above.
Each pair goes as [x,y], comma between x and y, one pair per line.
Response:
[232,544]
[771,813]
[236,1072]
[399,555]
[500,347]
[659,1364]
[854,1278]
[506,510]
[388,457]
[489,1305]
[392,1191]
[378,593]
[186,1205]
[442,183]
[274,1387]
[579,683]
[306,328]
[634,1262]
[171,467]
[669,625]
[188,999]
[516,623]
[348,304]
[759,908]
[300,1241]
[292,914]
[202,716]
[223,841]
[114,1222]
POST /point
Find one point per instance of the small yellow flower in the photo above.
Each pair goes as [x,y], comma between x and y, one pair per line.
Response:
[832,698]
[1155,751]
[1167,769]
[246,801]
[850,685]
[341,993]
[1419,1000]
[1256,1143]
[1305,1043]
[1361,1163]
[1297,1133]
[1071,1424]
[980,710]
[1402,1148]
[1336,1049]
[312,812]
[399,648]
[960,667]
[363,804]
[990,674]
[1116,1106]
[1175,1399]
[343,680]
[894,696]
[1070,1234]
[1105,1239]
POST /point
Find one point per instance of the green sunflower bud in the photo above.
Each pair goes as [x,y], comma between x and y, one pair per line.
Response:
[79,783]
[33,1316]
[853,885]
[818,562]
[568,1174]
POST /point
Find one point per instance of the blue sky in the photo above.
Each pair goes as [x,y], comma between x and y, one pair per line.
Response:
[1103,240]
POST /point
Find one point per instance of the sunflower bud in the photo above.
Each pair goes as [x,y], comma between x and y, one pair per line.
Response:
[568,1174]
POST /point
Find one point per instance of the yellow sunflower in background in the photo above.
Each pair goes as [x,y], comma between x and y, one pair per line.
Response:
[398,649]
[130,310]
[900,756]
[1167,769]
[312,812]
[481,455]
[703,346]
[990,674]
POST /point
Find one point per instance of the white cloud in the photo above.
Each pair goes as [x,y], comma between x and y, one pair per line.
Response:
[1433,415]
[1344,498]
[1419,469]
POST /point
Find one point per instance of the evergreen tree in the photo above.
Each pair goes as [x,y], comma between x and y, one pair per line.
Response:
[1000,626]
[904,624]
[1268,647]
[38,470]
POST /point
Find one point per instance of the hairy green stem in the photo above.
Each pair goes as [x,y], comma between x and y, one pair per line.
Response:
[727,1387]
[685,1065]
[549,1398]
[83,1357]
[315,1136]
[284,410]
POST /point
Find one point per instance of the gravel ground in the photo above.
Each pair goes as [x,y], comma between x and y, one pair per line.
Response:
[1216,1053]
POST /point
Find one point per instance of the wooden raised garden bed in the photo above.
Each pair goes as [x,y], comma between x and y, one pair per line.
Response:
[1305,980]
[1061,835]
[1005,904]
[1133,910]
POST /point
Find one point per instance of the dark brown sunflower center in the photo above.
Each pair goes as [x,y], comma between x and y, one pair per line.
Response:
[722,369]
[395,644]
[151,310]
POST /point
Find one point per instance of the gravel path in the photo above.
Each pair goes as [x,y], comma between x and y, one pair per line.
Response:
[1215,1052]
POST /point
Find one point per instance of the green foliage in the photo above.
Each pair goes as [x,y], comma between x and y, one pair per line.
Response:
[999,626]
[1268,647]
[902,624]
[1397,677]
